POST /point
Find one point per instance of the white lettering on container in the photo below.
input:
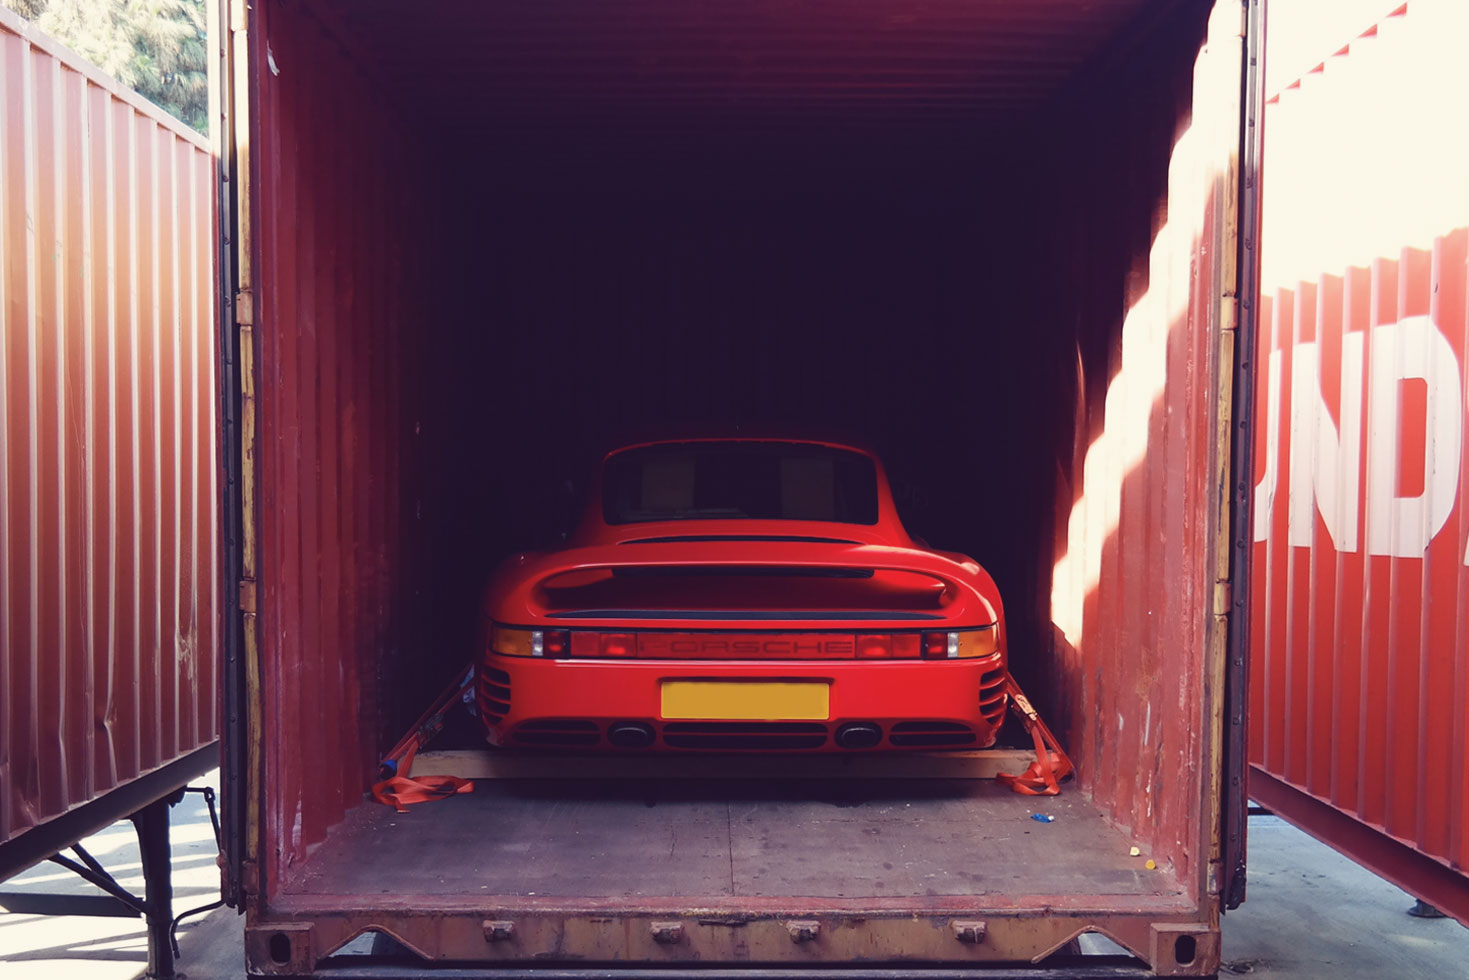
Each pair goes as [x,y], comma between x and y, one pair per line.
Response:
[1325,463]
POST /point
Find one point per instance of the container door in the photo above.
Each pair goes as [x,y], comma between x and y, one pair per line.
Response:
[1360,639]
[236,414]
[108,612]
[1236,679]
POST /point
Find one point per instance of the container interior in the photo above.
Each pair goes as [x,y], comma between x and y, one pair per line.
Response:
[491,240]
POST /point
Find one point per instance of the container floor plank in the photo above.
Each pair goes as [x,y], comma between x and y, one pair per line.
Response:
[714,840]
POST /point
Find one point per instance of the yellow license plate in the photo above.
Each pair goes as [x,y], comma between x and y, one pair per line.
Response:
[747,700]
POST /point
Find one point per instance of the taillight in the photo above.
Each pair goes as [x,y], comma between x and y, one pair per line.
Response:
[514,643]
[961,644]
[885,646]
[936,646]
[907,646]
[979,643]
[585,644]
[530,643]
[618,645]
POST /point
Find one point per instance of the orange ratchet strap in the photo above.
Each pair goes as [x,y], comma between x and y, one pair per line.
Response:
[1051,763]
[397,788]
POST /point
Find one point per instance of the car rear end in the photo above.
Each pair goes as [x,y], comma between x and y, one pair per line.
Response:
[823,652]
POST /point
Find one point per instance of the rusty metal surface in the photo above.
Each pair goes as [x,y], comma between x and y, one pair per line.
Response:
[436,332]
[800,933]
[1360,675]
[108,585]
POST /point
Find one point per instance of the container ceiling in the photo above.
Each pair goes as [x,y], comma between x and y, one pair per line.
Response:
[905,75]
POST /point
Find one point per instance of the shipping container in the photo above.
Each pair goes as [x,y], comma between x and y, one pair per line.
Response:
[471,244]
[109,601]
[1360,676]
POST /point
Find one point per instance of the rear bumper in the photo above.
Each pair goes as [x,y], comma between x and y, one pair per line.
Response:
[566,703]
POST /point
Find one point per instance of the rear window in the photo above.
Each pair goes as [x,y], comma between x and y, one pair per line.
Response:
[732,480]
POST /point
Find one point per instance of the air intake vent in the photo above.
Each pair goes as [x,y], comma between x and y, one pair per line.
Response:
[992,699]
[931,734]
[558,731]
[930,726]
[494,694]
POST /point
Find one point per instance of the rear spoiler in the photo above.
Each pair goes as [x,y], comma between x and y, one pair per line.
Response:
[521,595]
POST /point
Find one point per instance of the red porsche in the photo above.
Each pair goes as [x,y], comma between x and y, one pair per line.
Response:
[742,594]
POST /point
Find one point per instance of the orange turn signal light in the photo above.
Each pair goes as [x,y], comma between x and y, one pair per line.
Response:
[530,643]
[512,643]
[961,644]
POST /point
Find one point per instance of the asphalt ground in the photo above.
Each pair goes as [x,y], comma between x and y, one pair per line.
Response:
[1311,914]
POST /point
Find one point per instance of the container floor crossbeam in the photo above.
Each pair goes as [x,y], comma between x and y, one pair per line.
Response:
[1095,968]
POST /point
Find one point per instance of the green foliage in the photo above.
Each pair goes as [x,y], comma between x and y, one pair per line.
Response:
[159,48]
[29,9]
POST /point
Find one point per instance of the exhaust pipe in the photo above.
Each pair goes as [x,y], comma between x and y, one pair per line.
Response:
[859,735]
[630,735]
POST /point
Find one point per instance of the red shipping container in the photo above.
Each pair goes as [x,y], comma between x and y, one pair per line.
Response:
[1000,241]
[1360,657]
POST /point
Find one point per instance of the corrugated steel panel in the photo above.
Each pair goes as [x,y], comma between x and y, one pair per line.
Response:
[108,585]
[827,85]
[344,251]
[1140,471]
[1360,672]
[661,66]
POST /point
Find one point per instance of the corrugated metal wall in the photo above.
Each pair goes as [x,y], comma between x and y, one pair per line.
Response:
[1360,673]
[108,585]
[343,256]
[1144,245]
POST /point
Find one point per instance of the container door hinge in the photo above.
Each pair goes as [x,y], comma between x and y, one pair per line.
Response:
[968,930]
[245,307]
[249,878]
[1223,595]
